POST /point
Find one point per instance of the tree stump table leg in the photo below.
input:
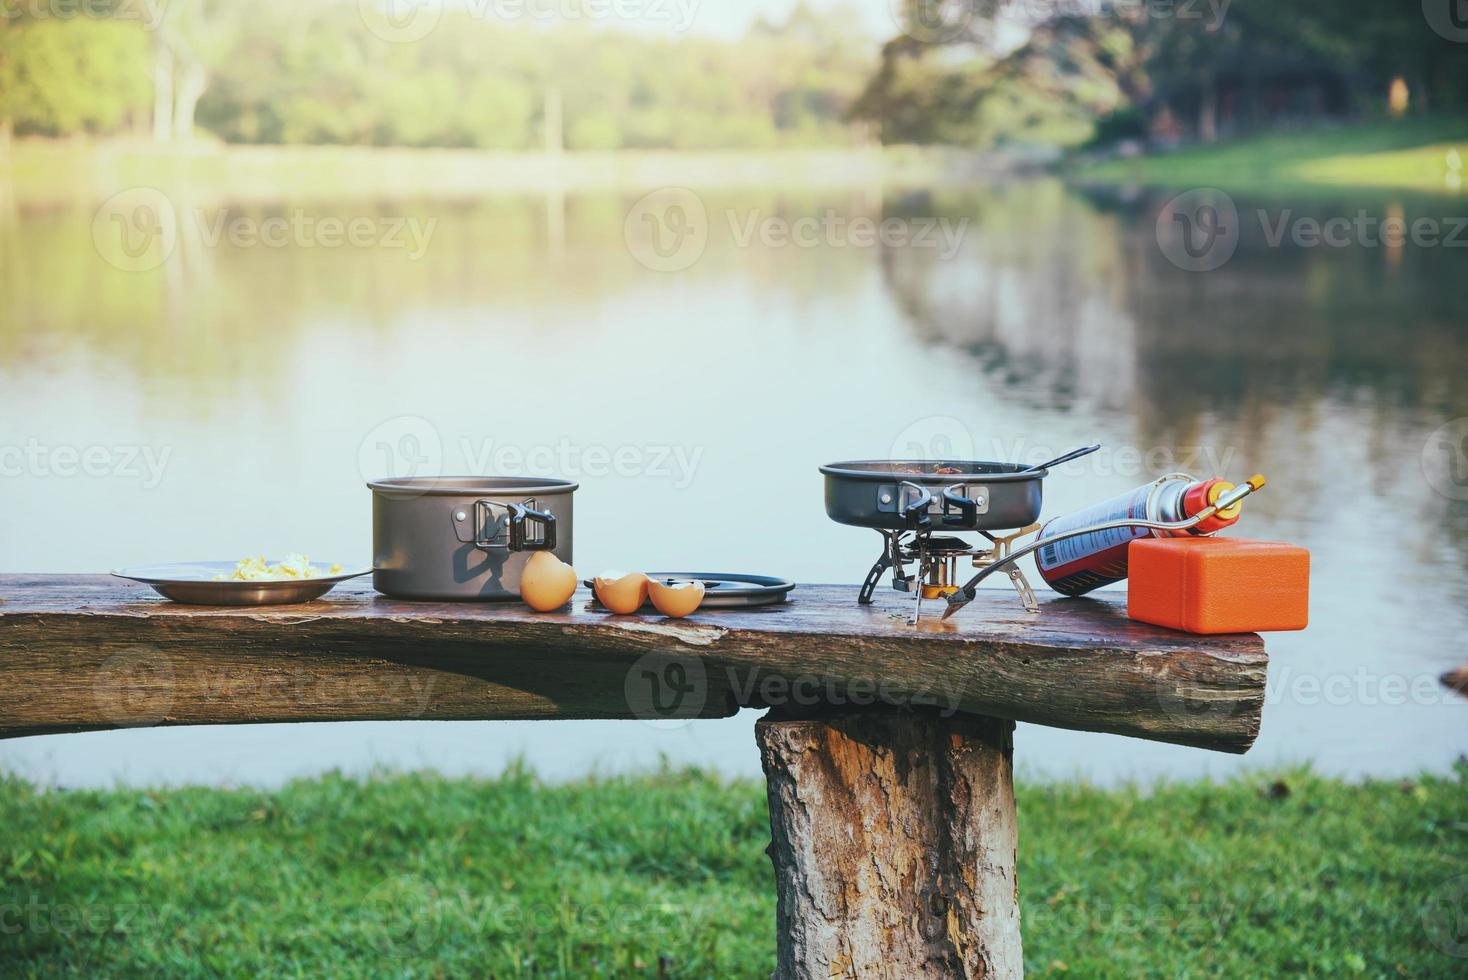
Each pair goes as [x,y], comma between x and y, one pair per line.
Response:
[893,839]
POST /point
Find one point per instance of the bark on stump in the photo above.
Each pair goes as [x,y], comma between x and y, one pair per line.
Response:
[893,839]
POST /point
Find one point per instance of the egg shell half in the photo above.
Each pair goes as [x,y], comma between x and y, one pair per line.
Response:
[623,594]
[676,602]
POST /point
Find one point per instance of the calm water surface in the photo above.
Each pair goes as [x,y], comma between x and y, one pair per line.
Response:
[242,392]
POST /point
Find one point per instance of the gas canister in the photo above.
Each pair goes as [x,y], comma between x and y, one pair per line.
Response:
[1077,565]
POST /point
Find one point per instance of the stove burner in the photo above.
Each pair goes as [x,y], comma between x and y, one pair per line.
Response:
[937,557]
[942,544]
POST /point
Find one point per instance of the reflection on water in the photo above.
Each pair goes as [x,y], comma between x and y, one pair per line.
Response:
[266,376]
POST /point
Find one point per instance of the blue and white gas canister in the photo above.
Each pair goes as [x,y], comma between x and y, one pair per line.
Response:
[1080,564]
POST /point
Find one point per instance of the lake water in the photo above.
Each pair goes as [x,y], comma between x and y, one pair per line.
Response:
[231,398]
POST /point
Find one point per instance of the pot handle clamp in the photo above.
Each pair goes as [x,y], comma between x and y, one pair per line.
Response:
[968,508]
[914,512]
[520,516]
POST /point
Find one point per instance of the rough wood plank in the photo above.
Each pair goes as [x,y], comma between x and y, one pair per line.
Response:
[893,837]
[81,652]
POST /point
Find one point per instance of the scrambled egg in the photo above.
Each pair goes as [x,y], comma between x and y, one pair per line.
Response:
[295,566]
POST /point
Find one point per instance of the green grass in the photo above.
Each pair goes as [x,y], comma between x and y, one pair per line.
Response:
[664,875]
[1409,154]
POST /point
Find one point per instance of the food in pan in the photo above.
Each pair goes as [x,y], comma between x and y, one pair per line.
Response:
[546,582]
[675,599]
[295,566]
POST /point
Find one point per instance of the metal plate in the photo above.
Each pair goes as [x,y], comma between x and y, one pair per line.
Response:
[724,590]
[193,582]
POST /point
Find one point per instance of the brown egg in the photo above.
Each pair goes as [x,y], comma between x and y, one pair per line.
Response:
[677,599]
[546,582]
[621,592]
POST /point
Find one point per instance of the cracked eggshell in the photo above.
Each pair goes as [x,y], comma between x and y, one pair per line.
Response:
[676,600]
[621,592]
[546,582]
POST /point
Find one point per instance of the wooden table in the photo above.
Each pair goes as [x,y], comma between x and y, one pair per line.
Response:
[887,748]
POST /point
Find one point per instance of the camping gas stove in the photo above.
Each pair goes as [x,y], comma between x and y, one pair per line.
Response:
[937,557]
[912,502]
[919,505]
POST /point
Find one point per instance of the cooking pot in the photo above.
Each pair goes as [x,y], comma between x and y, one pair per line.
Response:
[465,537]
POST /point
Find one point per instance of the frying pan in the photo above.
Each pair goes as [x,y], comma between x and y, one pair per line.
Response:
[943,494]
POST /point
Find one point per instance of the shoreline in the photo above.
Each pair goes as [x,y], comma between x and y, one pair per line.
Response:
[43,170]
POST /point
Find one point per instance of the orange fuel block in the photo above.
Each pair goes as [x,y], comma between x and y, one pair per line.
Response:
[1218,585]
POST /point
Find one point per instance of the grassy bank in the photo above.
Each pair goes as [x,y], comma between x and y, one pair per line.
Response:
[418,875]
[1410,154]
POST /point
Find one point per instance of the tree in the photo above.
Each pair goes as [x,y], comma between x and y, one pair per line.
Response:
[1243,68]
[190,40]
[59,77]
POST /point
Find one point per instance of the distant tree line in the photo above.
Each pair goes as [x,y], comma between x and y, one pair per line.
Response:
[1174,69]
[289,71]
[1067,72]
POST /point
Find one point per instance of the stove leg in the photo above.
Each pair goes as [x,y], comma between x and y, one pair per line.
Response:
[873,577]
[1022,586]
[868,587]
